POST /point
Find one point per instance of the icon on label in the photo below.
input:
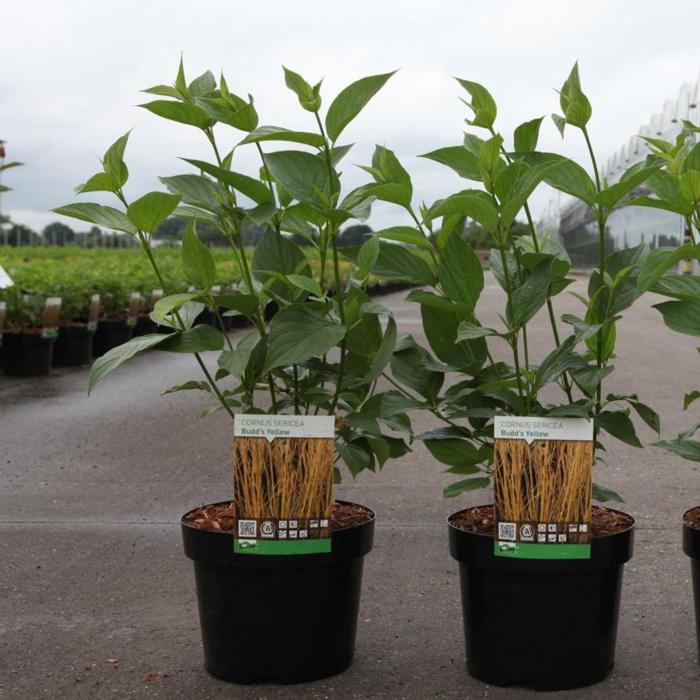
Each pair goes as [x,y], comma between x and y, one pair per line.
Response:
[292,534]
[282,535]
[552,527]
[562,538]
[541,538]
[247,528]
[292,524]
[573,527]
[303,534]
[267,529]
[282,525]
[527,532]
[551,538]
[324,522]
[583,527]
[313,523]
[541,527]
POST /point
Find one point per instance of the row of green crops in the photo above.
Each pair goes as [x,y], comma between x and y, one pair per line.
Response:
[75,274]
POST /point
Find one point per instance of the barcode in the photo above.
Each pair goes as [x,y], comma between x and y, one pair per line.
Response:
[247,528]
[506,531]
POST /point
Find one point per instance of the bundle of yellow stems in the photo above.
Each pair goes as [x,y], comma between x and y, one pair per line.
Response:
[547,481]
[285,478]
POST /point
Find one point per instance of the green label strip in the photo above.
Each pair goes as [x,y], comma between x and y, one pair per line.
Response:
[530,550]
[282,547]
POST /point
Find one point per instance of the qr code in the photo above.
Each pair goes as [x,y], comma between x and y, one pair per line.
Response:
[506,531]
[247,528]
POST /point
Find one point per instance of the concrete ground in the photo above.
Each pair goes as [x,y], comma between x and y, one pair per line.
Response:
[97,599]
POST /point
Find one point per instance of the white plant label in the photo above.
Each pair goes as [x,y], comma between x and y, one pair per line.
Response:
[282,426]
[530,428]
[5,279]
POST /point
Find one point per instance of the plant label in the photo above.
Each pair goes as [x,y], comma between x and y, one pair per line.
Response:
[5,279]
[52,315]
[3,310]
[135,304]
[156,296]
[283,483]
[94,313]
[542,486]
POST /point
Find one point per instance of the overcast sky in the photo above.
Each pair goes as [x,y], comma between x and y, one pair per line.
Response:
[71,71]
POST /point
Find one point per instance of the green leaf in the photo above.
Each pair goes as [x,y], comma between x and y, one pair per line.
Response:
[482,104]
[690,398]
[462,161]
[647,414]
[395,262]
[681,316]
[459,271]
[197,190]
[589,378]
[459,487]
[201,338]
[308,284]
[98,214]
[440,328]
[278,133]
[526,135]
[389,404]
[192,385]
[234,111]
[151,210]
[574,104]
[298,333]
[384,354]
[117,356]
[250,187]
[243,304]
[405,234]
[236,361]
[474,204]
[113,162]
[567,176]
[172,302]
[619,425]
[469,331]
[683,287]
[350,102]
[302,174]
[522,188]
[367,257]
[612,194]
[100,182]
[603,495]
[278,254]
[530,296]
[197,261]
[356,459]
[683,447]
[309,97]
[659,261]
[560,360]
[182,112]
[454,451]
[202,84]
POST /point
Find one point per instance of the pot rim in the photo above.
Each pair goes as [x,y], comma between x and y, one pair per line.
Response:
[223,532]
[685,521]
[484,505]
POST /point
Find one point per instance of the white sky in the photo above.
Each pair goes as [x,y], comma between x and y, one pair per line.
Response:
[71,71]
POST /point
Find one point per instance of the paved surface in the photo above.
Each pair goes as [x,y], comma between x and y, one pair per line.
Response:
[91,490]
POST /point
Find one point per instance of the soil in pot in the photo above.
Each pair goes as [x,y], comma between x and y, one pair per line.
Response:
[109,334]
[545,624]
[26,353]
[286,619]
[691,546]
[73,346]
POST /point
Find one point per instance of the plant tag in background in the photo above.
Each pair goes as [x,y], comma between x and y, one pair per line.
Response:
[135,304]
[283,483]
[156,296]
[52,315]
[543,483]
[5,279]
[94,313]
[3,308]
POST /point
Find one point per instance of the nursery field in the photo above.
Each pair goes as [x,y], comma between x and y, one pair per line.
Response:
[75,274]
[99,601]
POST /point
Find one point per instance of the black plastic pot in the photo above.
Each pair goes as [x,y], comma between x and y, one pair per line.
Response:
[109,334]
[691,546]
[144,326]
[544,624]
[287,619]
[73,346]
[26,353]
[209,317]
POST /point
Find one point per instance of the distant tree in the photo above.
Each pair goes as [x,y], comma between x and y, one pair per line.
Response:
[58,234]
[89,239]
[171,228]
[353,235]
[19,235]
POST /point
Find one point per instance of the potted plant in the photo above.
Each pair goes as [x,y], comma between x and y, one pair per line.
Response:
[118,315]
[547,623]
[27,340]
[676,188]
[79,316]
[284,618]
